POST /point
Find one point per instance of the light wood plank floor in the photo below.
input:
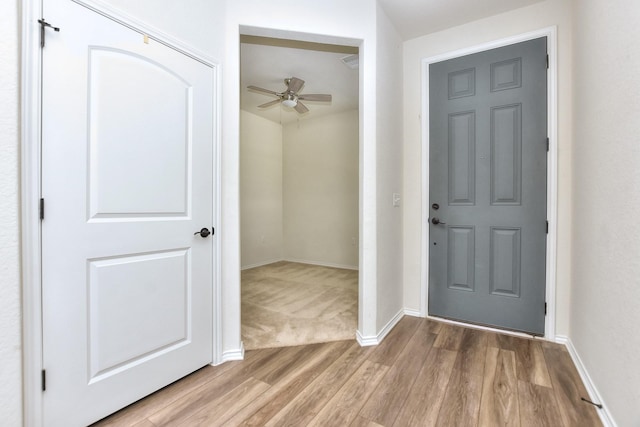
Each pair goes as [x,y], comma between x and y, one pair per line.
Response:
[424,373]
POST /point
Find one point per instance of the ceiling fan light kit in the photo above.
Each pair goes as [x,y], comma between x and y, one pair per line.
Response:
[290,97]
[290,101]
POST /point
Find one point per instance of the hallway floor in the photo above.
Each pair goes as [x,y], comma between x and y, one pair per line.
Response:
[424,373]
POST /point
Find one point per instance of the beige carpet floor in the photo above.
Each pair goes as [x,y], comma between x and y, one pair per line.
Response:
[287,304]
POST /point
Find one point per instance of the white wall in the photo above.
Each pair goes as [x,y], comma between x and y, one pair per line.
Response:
[299,190]
[261,189]
[199,26]
[10,302]
[605,310]
[389,170]
[537,16]
[321,190]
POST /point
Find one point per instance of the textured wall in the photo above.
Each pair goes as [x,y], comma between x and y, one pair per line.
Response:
[535,17]
[10,318]
[260,190]
[321,190]
[605,310]
[299,190]
[389,171]
[199,26]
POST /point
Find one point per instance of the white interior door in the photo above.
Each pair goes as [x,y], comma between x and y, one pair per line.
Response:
[127,173]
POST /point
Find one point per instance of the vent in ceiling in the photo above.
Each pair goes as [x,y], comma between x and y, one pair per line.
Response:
[351,61]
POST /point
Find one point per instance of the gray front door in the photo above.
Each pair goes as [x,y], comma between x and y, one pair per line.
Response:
[487,187]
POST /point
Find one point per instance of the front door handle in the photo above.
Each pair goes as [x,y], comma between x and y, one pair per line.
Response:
[203,233]
[436,221]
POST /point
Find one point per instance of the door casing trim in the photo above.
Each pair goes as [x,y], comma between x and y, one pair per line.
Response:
[31,189]
[31,95]
[552,165]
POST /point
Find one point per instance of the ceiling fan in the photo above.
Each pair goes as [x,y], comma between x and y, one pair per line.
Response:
[290,97]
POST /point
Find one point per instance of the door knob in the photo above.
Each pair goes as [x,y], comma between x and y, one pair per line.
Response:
[203,233]
[436,221]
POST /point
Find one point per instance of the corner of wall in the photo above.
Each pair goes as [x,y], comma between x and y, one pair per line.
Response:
[389,173]
[231,355]
[604,266]
[371,340]
[594,395]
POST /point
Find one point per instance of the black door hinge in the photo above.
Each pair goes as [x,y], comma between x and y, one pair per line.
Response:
[41,209]
[547,144]
[545,308]
[44,380]
[43,26]
[547,61]
[547,228]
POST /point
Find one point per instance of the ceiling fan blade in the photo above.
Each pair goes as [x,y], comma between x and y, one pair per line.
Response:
[295,84]
[259,89]
[269,104]
[301,108]
[315,97]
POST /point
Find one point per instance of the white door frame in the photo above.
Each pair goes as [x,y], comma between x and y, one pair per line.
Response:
[552,166]
[31,97]
[366,333]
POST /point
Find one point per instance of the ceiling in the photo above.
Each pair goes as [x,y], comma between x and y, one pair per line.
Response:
[266,62]
[414,18]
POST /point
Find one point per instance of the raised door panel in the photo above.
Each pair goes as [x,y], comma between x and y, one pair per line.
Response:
[506,74]
[140,116]
[506,155]
[505,263]
[462,83]
[462,148]
[138,309]
[461,258]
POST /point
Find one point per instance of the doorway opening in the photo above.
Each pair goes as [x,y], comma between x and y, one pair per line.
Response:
[299,192]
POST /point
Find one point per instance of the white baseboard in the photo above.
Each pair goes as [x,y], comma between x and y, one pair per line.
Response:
[260,264]
[413,313]
[322,264]
[231,355]
[594,395]
[377,339]
[300,261]
[366,341]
